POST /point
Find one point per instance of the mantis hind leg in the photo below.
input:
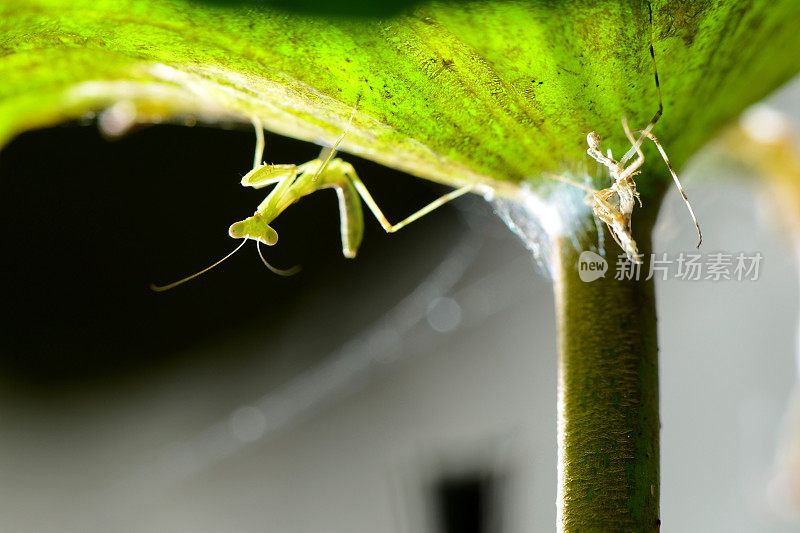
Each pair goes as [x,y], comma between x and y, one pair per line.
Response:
[381,218]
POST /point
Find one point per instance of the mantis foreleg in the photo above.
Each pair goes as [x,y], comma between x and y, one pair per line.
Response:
[351,217]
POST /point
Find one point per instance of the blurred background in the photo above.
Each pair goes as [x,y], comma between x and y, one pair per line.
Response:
[412,389]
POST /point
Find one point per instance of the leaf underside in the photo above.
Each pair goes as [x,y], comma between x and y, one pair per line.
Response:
[467,92]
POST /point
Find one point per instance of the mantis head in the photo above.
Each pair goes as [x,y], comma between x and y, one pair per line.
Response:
[256,228]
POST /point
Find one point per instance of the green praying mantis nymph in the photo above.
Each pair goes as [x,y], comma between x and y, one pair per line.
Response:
[293,182]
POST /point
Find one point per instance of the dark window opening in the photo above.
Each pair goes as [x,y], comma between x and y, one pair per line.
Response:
[467,503]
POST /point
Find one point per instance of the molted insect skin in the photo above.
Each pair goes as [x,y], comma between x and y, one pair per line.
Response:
[628,245]
[626,191]
[614,205]
[618,224]
[593,140]
[255,228]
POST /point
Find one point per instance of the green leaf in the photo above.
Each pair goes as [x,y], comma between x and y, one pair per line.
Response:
[491,92]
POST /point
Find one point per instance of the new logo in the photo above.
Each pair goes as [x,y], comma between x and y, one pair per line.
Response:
[591,266]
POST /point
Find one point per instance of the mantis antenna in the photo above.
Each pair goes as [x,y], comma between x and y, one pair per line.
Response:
[288,272]
[162,288]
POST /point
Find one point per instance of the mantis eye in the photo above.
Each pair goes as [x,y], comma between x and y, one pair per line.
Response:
[255,228]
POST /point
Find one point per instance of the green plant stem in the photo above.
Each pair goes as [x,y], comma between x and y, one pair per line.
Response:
[608,427]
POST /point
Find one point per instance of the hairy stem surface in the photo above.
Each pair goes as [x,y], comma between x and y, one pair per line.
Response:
[608,423]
